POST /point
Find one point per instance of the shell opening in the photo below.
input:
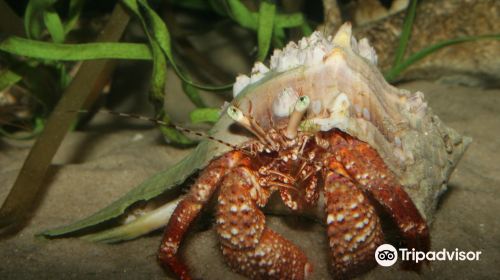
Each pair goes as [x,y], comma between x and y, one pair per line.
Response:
[339,115]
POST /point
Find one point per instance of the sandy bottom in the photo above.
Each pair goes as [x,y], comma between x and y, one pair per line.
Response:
[95,167]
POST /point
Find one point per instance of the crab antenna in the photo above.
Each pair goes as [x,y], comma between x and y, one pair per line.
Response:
[250,124]
[296,116]
[160,122]
[261,131]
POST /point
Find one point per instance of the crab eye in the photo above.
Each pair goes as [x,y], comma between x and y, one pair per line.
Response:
[235,113]
[302,103]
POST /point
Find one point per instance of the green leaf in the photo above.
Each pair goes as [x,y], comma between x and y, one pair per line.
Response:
[159,76]
[306,29]
[239,13]
[193,94]
[8,78]
[38,128]
[172,135]
[265,30]
[269,25]
[395,71]
[54,25]
[158,31]
[18,203]
[406,32]
[75,9]
[74,52]
[289,21]
[167,180]
[158,39]
[33,23]
[200,115]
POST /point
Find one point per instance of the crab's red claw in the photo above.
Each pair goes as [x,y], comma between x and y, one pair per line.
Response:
[367,168]
[247,245]
[273,258]
[184,214]
[353,227]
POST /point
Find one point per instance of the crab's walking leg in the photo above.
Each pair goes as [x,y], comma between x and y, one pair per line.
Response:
[247,245]
[188,209]
[353,227]
[301,198]
[365,165]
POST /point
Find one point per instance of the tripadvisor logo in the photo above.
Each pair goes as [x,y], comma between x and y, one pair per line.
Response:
[387,255]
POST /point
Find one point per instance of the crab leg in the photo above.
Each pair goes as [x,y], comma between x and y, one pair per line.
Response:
[353,227]
[247,245]
[188,209]
[305,196]
[369,171]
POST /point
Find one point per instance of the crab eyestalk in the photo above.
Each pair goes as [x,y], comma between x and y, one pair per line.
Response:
[238,116]
[296,116]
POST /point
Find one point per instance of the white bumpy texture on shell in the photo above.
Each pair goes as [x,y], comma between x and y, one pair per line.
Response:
[348,92]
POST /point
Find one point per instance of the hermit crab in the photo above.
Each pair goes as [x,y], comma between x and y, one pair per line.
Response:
[325,126]
[319,129]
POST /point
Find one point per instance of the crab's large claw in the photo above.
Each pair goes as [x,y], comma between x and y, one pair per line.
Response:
[248,246]
[368,170]
[353,227]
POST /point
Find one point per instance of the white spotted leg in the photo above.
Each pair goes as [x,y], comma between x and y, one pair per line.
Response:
[370,173]
[247,245]
[353,227]
[189,208]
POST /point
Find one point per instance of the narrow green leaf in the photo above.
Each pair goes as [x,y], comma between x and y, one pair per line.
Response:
[74,52]
[8,78]
[158,96]
[279,37]
[239,13]
[132,5]
[174,136]
[75,9]
[265,30]
[306,29]
[193,95]
[33,23]
[159,76]
[157,93]
[406,32]
[200,115]
[16,207]
[38,128]
[54,25]
[166,180]
[395,71]
[158,31]
[289,21]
